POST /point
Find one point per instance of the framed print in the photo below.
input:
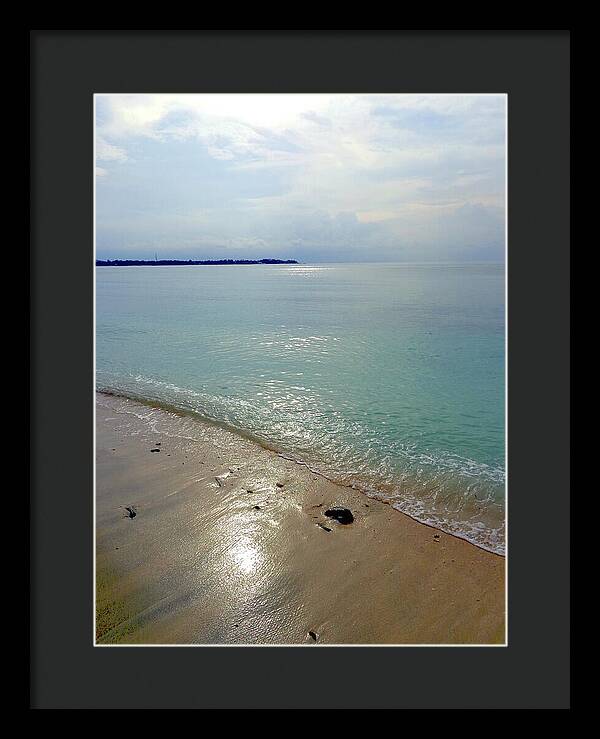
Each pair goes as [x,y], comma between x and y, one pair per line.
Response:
[297,317]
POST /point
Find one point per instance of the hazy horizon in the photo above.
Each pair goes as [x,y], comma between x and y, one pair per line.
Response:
[316,178]
[308,263]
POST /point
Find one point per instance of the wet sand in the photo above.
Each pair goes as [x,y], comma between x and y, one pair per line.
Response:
[216,540]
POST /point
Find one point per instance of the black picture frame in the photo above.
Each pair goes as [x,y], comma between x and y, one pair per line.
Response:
[66,68]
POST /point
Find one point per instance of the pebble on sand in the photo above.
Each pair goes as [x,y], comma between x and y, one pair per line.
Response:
[341,515]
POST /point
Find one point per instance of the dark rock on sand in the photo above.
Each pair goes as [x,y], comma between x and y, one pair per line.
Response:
[313,636]
[131,512]
[341,515]
[323,527]
[155,450]
[257,508]
[279,484]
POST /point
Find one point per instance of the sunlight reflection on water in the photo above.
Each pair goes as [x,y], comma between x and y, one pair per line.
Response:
[401,366]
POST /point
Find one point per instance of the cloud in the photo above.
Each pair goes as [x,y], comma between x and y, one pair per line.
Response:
[322,176]
[106,152]
[320,120]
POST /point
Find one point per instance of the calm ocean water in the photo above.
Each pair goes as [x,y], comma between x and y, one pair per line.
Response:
[387,377]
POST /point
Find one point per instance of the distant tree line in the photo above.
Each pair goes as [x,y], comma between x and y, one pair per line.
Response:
[174,262]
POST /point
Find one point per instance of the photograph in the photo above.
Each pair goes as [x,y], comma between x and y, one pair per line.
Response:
[300,369]
[300,353]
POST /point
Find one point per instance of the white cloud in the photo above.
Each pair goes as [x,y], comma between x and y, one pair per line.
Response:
[394,162]
[106,152]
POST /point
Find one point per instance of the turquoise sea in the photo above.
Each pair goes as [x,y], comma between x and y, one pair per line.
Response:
[387,377]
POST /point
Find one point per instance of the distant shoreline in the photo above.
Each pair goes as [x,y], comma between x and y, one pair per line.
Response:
[185,262]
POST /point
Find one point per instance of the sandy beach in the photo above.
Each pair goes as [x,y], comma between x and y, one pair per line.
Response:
[206,537]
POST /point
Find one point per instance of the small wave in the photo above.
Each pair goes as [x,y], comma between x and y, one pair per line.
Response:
[460,497]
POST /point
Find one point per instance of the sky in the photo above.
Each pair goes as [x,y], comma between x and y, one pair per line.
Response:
[317,178]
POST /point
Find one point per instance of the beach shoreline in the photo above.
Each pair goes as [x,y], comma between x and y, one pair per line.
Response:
[211,538]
